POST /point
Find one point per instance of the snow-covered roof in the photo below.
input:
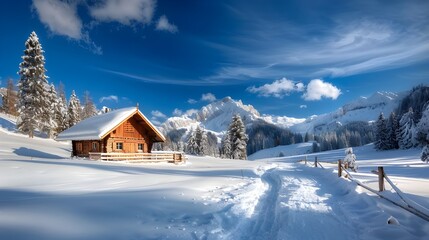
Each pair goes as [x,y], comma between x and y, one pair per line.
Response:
[95,128]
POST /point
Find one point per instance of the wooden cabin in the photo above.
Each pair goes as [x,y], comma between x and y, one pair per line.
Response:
[124,130]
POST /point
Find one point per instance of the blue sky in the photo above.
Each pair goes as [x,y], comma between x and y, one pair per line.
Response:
[294,58]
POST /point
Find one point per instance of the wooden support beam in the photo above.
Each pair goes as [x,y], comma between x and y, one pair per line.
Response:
[315,161]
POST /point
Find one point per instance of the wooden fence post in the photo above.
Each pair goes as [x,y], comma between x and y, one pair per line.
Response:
[306,160]
[340,169]
[315,161]
[380,179]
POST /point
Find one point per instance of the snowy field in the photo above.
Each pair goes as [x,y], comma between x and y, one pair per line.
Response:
[46,195]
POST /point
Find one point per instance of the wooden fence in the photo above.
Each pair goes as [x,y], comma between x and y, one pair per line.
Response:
[406,203]
[139,157]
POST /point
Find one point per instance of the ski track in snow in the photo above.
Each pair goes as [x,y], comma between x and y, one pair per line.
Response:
[296,207]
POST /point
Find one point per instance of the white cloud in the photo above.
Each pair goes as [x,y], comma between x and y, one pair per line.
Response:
[352,45]
[155,122]
[361,33]
[317,89]
[60,17]
[278,88]
[177,112]
[303,106]
[192,101]
[109,98]
[124,11]
[209,97]
[164,25]
[158,114]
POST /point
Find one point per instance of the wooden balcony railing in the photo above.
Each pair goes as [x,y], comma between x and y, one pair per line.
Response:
[175,157]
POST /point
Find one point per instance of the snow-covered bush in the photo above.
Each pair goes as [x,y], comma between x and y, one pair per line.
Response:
[350,160]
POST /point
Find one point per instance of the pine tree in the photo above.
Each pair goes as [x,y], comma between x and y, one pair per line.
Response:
[74,110]
[226,145]
[10,99]
[393,129]
[425,153]
[49,123]
[315,147]
[423,133]
[198,138]
[61,110]
[33,98]
[238,138]
[190,144]
[381,134]
[204,144]
[89,109]
[423,126]
[407,130]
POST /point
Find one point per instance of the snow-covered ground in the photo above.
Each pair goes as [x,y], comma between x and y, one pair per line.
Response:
[46,195]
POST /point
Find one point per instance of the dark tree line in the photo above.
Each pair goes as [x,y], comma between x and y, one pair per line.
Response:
[264,135]
[353,134]
[416,99]
[407,129]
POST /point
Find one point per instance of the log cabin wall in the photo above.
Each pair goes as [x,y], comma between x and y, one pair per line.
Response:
[84,147]
[129,137]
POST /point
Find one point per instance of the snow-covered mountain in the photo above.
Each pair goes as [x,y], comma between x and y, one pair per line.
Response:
[217,116]
[364,109]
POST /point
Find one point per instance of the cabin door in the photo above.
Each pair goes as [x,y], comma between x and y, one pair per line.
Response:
[130,147]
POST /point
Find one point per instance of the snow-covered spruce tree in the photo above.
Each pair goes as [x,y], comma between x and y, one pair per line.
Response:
[407,131]
[226,145]
[49,123]
[423,133]
[32,87]
[238,138]
[381,133]
[393,129]
[204,144]
[315,147]
[198,135]
[190,144]
[61,118]
[198,142]
[423,126]
[74,110]
[425,153]
[89,109]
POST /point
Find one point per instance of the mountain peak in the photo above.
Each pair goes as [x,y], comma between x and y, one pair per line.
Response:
[217,116]
[363,109]
[227,99]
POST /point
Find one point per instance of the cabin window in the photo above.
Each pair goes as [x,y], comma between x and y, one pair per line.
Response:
[114,131]
[119,146]
[94,146]
[140,146]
